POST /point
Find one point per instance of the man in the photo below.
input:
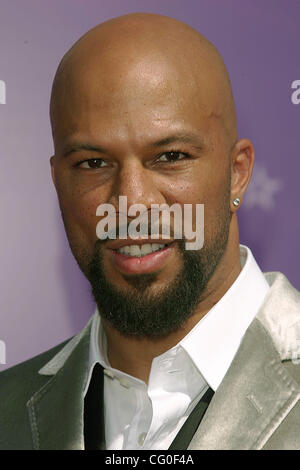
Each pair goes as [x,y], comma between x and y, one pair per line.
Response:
[188,349]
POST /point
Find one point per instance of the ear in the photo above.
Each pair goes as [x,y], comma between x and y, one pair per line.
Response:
[52,170]
[242,162]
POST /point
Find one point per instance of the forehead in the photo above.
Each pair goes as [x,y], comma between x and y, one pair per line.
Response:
[151,95]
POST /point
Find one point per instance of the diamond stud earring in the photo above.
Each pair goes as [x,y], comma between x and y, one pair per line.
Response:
[236,201]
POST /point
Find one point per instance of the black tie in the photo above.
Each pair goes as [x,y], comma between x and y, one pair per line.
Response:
[94,437]
[187,431]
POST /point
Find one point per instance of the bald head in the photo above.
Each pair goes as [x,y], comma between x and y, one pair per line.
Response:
[140,54]
[142,107]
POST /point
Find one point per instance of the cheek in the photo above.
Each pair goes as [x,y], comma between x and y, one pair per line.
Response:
[191,188]
[187,191]
[208,187]
[217,208]
[78,208]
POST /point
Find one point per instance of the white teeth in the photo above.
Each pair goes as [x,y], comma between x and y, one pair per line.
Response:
[142,250]
[146,249]
[134,250]
[126,250]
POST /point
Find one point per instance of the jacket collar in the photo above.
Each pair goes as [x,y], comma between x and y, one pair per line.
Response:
[62,396]
[255,396]
[257,392]
[280,316]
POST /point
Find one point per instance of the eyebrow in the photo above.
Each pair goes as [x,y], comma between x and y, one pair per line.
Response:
[192,139]
[75,147]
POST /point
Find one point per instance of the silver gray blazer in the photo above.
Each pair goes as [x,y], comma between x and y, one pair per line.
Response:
[256,406]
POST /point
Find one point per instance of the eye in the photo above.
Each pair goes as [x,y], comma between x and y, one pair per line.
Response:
[172,156]
[92,164]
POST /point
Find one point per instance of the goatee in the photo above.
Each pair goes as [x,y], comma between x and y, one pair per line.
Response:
[137,311]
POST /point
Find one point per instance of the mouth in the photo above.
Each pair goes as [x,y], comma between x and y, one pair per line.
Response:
[139,251]
[141,259]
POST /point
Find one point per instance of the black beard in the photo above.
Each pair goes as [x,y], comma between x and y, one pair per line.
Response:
[139,313]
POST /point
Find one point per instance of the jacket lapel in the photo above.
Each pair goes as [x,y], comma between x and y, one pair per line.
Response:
[253,399]
[258,391]
[56,411]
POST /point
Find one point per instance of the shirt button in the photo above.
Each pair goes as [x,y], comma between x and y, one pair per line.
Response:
[142,438]
[109,373]
[124,383]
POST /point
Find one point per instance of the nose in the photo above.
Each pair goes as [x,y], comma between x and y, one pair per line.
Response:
[138,183]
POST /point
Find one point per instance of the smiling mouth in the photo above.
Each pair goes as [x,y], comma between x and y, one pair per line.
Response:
[141,258]
[138,251]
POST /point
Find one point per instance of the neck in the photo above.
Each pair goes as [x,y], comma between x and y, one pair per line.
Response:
[134,355]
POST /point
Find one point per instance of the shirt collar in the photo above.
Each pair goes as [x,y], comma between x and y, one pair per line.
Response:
[214,341]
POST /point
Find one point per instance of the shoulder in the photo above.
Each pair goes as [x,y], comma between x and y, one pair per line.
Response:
[280,315]
[34,363]
[18,383]
[32,373]
[25,369]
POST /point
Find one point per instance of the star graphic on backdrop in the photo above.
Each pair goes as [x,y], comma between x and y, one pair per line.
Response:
[262,189]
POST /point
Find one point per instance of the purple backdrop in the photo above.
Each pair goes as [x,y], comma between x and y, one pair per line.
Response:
[44,297]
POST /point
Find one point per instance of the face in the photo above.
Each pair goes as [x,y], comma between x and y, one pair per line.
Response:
[148,134]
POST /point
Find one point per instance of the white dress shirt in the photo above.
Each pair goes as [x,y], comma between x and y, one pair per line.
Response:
[141,416]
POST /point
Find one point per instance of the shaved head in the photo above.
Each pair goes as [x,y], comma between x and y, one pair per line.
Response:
[142,107]
[140,50]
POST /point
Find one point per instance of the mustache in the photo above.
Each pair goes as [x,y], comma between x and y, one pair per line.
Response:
[122,232]
[142,227]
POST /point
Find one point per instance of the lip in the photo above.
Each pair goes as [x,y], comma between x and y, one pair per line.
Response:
[143,265]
